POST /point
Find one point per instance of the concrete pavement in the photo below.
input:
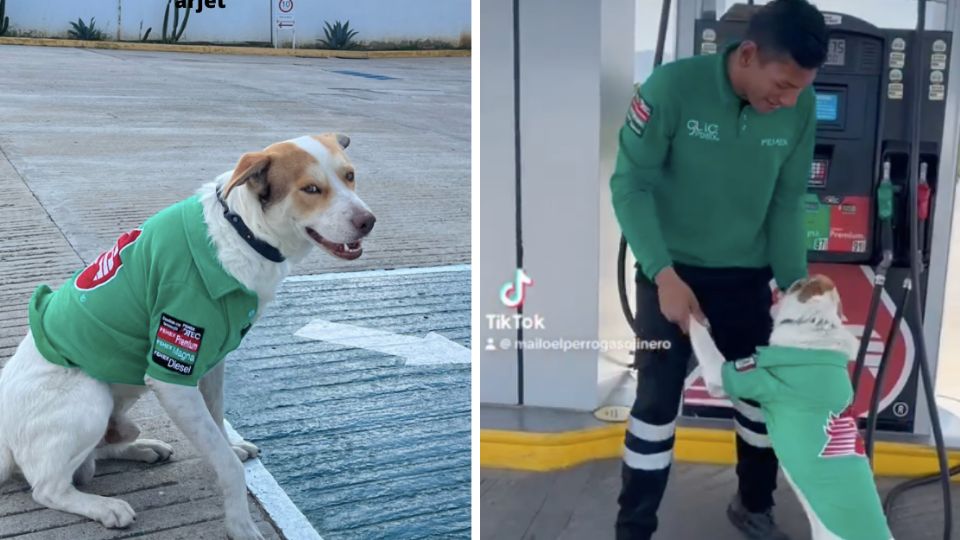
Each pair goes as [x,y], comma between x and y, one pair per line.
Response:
[94,142]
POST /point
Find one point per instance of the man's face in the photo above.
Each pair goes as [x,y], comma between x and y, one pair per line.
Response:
[772,83]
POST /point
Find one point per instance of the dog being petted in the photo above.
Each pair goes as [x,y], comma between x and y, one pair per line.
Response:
[802,384]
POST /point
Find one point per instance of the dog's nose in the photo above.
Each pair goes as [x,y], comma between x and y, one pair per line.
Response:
[364,221]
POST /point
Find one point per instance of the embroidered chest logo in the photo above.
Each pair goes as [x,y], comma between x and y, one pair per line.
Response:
[703,130]
[774,141]
[107,264]
[176,345]
[843,438]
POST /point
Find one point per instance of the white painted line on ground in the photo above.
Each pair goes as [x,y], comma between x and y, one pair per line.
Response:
[381,273]
[429,350]
[285,515]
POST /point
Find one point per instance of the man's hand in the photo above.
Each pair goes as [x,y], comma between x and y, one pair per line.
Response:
[677,301]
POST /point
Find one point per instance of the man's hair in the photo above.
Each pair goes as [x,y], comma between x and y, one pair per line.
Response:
[791,28]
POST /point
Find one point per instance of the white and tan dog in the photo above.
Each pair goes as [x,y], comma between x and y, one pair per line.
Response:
[802,384]
[293,195]
[809,316]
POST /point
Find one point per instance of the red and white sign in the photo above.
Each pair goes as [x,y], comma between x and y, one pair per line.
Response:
[855,284]
[284,16]
[107,264]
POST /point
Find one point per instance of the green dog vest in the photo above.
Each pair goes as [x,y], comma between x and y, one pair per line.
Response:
[158,303]
[805,397]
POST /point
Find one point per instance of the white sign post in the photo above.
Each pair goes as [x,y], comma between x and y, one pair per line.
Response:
[284,20]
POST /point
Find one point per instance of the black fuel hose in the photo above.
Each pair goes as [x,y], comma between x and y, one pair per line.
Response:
[916,260]
[882,369]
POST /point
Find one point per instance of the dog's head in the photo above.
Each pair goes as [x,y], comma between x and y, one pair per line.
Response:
[306,191]
[813,300]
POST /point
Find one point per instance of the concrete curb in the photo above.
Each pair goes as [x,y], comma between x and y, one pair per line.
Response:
[540,452]
[380,273]
[223,49]
[289,520]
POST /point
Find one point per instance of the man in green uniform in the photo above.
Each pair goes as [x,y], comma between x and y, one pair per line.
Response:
[708,189]
[158,303]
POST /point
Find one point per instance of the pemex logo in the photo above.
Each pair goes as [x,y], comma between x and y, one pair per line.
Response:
[843,437]
[107,264]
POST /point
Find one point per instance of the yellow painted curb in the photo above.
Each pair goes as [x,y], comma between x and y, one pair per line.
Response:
[551,451]
[223,49]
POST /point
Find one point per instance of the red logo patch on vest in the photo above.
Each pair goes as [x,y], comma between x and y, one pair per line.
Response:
[107,264]
[843,437]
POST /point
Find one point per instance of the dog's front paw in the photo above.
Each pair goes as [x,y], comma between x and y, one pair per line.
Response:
[245,450]
[716,390]
[114,513]
[713,379]
[147,451]
[243,529]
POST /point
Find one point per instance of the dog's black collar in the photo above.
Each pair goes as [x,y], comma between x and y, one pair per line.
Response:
[266,250]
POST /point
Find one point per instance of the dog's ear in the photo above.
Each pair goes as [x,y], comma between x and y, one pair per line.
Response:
[796,286]
[252,168]
[815,286]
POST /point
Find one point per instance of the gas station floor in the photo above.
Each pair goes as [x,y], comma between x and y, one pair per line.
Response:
[116,136]
[581,502]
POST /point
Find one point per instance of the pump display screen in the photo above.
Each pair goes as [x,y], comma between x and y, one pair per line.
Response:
[828,107]
[836,52]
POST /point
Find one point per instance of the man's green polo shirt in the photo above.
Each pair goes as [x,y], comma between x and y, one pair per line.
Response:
[703,179]
[158,303]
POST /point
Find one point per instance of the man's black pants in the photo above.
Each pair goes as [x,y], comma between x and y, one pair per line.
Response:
[736,302]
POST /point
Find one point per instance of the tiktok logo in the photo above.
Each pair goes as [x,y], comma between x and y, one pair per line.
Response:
[513,292]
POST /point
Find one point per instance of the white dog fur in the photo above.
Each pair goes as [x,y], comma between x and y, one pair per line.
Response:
[815,322]
[55,443]
[802,320]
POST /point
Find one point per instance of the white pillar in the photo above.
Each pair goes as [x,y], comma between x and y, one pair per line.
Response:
[576,80]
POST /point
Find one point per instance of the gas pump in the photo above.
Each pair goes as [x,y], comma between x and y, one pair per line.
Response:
[857,203]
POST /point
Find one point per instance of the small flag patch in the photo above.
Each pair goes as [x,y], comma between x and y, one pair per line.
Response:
[639,114]
[745,364]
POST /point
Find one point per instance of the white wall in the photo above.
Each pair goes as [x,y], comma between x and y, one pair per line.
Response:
[241,20]
[377,20]
[250,20]
[498,246]
[52,17]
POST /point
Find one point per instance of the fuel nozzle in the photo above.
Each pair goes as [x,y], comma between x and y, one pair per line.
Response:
[885,214]
[923,194]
